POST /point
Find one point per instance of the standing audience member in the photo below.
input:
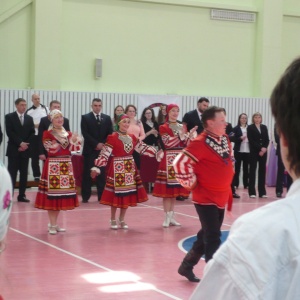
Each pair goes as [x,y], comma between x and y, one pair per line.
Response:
[150,127]
[166,185]
[95,128]
[260,258]
[1,135]
[194,118]
[148,165]
[119,110]
[123,183]
[280,169]
[20,130]
[241,153]
[136,128]
[205,167]
[57,189]
[45,122]
[258,143]
[36,111]
[162,113]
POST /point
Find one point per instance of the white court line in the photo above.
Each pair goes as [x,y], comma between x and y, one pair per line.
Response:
[140,205]
[87,260]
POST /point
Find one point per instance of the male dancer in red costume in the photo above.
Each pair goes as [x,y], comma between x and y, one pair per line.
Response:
[205,167]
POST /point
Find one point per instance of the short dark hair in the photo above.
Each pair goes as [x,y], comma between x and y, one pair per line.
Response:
[19,100]
[97,100]
[203,99]
[285,105]
[210,114]
[54,102]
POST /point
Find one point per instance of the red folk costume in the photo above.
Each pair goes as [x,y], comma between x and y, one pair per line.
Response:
[57,189]
[123,183]
[206,168]
[166,185]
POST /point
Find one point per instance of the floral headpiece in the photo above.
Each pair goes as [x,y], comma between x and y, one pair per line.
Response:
[54,113]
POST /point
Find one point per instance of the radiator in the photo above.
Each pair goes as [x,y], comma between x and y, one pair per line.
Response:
[75,104]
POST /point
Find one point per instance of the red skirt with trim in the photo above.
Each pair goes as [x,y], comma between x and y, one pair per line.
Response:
[57,190]
[166,185]
[124,186]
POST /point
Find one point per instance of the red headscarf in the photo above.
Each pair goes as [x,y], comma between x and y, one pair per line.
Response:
[169,107]
[122,117]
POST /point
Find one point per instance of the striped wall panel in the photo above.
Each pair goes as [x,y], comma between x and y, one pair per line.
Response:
[74,104]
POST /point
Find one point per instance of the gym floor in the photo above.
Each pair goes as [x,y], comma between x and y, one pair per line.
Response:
[91,261]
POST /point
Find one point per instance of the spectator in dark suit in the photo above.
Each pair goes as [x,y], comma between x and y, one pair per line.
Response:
[193,118]
[1,135]
[20,130]
[44,125]
[95,127]
[258,137]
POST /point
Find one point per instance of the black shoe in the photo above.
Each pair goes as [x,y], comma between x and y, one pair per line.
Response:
[278,195]
[180,198]
[189,274]
[36,179]
[236,196]
[85,200]
[23,199]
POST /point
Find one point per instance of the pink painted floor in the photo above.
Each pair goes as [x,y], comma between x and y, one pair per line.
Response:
[91,261]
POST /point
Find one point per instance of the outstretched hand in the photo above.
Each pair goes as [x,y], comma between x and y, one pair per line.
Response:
[75,137]
[159,155]
[193,133]
[94,174]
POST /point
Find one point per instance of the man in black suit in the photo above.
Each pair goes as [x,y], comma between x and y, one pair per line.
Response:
[20,130]
[44,125]
[95,127]
[193,118]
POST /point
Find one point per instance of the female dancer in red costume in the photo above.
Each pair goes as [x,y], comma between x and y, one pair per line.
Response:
[123,187]
[166,185]
[57,189]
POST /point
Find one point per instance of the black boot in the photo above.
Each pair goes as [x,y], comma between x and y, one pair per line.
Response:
[187,271]
[187,265]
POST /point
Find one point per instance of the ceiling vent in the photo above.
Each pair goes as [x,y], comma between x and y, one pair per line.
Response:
[232,15]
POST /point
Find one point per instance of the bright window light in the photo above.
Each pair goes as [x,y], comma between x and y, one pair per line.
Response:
[130,287]
[110,277]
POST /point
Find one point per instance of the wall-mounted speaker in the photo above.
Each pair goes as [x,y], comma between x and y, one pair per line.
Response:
[98,67]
